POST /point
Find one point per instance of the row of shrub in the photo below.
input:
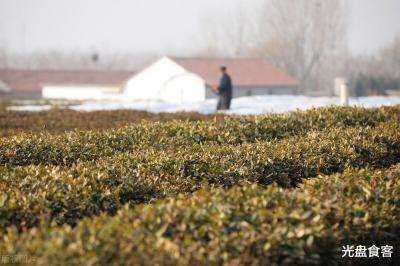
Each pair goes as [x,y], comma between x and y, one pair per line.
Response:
[247,224]
[67,149]
[62,120]
[67,194]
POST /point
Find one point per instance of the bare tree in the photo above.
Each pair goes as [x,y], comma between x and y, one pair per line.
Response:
[229,33]
[304,37]
[385,63]
[390,59]
[378,73]
[73,61]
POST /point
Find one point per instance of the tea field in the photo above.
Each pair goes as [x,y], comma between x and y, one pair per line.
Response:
[65,120]
[136,188]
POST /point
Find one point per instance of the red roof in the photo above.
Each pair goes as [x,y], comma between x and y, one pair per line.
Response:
[244,71]
[33,80]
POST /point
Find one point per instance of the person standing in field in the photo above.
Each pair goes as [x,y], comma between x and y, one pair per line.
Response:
[224,90]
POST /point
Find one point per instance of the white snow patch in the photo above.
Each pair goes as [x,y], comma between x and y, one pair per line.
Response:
[29,108]
[241,106]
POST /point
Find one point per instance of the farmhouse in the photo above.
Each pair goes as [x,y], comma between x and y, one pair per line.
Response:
[179,80]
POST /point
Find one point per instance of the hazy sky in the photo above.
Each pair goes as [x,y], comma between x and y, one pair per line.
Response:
[131,26]
[372,24]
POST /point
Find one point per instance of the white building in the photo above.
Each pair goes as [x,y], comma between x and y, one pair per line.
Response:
[167,81]
[178,80]
[79,92]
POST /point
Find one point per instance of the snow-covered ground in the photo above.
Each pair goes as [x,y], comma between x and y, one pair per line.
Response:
[240,106]
[30,108]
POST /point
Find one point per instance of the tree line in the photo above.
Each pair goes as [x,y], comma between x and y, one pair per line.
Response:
[376,74]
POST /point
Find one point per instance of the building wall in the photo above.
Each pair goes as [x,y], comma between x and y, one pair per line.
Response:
[166,81]
[78,92]
[182,88]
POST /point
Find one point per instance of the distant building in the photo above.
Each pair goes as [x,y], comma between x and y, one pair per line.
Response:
[189,79]
[169,79]
[63,84]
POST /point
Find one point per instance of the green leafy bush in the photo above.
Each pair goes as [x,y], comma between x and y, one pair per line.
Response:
[88,187]
[246,224]
[289,188]
[64,120]
[67,149]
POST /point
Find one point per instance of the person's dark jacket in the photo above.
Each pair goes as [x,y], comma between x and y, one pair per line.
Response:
[225,86]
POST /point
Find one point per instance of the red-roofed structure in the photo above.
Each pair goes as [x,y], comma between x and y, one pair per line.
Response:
[29,83]
[245,72]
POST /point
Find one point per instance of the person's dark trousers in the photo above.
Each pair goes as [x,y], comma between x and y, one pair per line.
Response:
[224,102]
